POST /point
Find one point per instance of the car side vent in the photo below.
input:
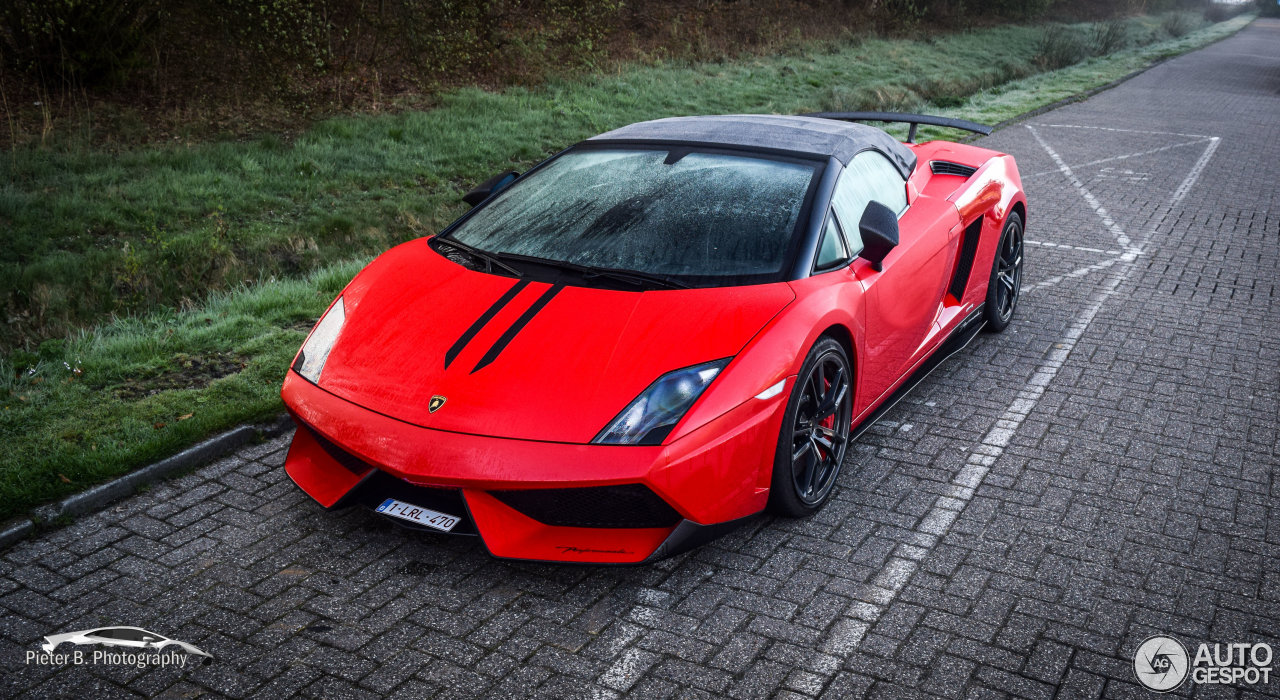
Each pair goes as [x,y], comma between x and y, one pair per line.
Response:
[946,167]
[964,263]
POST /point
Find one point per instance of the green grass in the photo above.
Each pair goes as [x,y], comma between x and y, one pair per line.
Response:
[144,234]
[90,233]
[1004,102]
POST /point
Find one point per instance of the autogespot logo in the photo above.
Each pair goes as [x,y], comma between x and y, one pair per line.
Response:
[1161,663]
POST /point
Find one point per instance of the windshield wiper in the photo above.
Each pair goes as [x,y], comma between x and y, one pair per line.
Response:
[634,276]
[490,259]
[588,271]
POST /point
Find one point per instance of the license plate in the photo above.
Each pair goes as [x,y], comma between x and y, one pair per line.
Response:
[418,514]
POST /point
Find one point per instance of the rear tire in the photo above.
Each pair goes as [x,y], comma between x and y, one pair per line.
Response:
[1005,286]
[815,432]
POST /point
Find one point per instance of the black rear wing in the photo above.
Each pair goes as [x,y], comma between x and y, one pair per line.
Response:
[915,120]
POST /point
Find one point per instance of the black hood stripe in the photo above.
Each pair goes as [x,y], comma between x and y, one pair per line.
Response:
[480,323]
[516,327]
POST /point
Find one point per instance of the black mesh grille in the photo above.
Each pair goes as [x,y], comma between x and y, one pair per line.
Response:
[946,167]
[628,505]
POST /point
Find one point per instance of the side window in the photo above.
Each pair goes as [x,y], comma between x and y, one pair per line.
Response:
[869,176]
[831,251]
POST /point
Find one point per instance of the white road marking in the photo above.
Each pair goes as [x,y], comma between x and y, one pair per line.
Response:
[628,668]
[1126,156]
[1082,249]
[1126,131]
[1121,237]
[1077,273]
[1131,253]
[1139,154]
[1110,173]
[1186,185]
[846,633]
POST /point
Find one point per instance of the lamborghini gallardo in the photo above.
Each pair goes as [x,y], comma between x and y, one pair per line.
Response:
[655,333]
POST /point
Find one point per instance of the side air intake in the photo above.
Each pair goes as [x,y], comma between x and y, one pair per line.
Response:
[964,263]
[946,167]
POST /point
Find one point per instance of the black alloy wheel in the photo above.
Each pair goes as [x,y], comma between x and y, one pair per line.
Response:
[1005,286]
[815,432]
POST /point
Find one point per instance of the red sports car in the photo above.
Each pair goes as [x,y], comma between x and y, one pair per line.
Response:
[654,334]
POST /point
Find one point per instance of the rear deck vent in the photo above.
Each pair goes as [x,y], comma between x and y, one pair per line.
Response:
[946,167]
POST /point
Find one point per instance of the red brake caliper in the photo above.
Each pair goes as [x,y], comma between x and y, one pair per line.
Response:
[829,421]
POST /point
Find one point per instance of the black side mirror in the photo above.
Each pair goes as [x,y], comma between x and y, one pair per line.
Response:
[490,186]
[879,228]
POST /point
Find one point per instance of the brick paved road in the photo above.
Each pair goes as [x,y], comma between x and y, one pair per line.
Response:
[1042,504]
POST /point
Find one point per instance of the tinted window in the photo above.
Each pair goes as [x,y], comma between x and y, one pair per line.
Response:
[703,215]
[869,176]
[832,250]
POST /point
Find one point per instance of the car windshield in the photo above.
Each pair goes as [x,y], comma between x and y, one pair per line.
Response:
[708,218]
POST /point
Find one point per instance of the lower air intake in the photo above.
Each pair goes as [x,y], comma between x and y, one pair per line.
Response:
[625,506]
[350,462]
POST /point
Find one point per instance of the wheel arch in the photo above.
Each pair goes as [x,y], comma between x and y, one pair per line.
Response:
[841,334]
[784,497]
[1020,208]
[778,351]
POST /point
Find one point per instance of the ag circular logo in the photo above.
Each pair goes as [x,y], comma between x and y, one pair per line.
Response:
[1161,663]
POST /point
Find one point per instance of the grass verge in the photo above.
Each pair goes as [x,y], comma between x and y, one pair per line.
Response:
[100,402]
[93,232]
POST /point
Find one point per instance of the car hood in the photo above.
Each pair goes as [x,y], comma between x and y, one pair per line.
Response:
[523,359]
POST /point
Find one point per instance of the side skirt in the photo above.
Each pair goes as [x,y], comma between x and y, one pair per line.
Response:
[960,338]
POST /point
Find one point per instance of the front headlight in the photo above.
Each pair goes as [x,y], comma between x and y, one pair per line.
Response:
[649,419]
[315,351]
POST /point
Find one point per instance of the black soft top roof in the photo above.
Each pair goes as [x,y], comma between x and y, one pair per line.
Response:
[823,137]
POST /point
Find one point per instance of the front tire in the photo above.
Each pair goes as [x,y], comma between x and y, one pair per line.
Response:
[1005,286]
[815,432]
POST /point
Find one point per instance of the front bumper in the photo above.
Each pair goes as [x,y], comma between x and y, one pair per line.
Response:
[344,454]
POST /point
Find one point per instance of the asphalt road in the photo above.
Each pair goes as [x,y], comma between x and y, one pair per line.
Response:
[1104,471]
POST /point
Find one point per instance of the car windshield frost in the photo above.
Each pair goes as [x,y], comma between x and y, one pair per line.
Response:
[731,218]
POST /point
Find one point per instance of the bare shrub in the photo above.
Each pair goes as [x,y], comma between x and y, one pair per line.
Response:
[1059,47]
[1110,36]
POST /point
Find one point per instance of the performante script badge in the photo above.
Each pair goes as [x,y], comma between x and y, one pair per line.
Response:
[436,402]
